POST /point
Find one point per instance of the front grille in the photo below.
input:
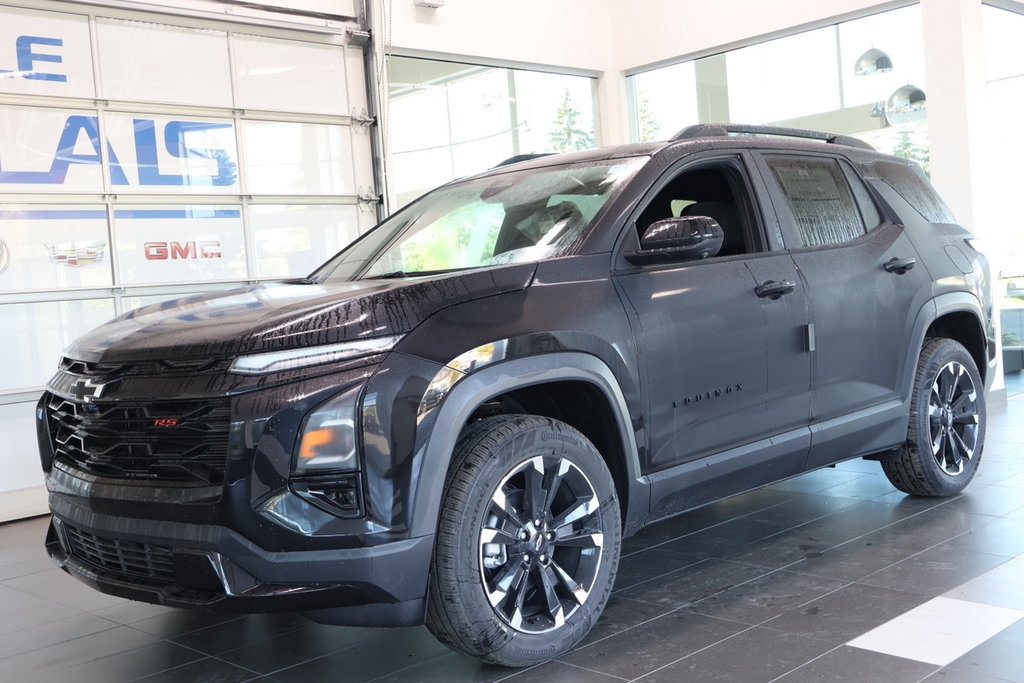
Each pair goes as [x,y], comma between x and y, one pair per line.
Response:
[141,560]
[145,368]
[160,440]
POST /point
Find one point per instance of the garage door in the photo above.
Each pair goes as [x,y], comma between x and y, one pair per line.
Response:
[147,156]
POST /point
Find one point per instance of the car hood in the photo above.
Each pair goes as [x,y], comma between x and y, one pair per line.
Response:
[279,316]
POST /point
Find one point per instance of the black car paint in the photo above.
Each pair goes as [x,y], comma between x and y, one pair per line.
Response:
[701,404]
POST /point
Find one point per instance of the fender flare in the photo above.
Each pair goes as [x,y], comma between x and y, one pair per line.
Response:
[943,304]
[443,424]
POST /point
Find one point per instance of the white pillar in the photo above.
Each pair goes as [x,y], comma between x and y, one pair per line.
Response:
[954,67]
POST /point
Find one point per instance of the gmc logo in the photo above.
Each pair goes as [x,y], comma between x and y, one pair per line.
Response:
[161,251]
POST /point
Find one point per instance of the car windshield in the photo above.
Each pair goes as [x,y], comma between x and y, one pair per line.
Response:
[511,217]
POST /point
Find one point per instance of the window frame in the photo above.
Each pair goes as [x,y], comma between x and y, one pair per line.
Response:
[765,224]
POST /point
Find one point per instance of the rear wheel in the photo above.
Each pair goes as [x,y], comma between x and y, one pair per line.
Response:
[947,424]
[527,543]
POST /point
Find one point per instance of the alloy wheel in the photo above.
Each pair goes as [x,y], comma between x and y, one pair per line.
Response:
[953,417]
[541,544]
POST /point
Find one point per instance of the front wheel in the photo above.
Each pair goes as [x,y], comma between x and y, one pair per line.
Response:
[947,424]
[527,544]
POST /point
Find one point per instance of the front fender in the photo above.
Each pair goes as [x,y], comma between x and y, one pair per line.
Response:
[454,396]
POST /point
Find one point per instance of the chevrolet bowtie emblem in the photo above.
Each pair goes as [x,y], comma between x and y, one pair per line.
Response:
[86,390]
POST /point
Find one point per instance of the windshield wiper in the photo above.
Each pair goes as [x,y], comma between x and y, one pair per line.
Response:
[399,274]
[393,275]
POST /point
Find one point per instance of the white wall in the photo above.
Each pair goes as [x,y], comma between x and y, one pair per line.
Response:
[652,31]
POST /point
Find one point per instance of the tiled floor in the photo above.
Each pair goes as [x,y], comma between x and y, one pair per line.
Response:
[833,576]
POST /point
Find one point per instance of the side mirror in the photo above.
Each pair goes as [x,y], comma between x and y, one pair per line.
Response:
[687,238]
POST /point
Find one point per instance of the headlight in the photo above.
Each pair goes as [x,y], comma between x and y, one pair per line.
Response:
[277,361]
[327,440]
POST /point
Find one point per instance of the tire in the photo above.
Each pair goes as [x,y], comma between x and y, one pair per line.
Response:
[946,434]
[504,588]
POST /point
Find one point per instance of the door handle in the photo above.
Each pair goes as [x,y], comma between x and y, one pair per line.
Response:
[773,290]
[899,265]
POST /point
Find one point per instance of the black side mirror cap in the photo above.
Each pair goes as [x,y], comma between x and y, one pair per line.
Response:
[687,238]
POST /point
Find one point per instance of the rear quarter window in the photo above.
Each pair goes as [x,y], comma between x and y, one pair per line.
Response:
[910,183]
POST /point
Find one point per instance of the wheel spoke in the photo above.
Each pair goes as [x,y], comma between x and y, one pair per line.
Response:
[504,508]
[939,442]
[535,491]
[966,418]
[581,539]
[579,593]
[556,483]
[508,578]
[499,536]
[554,603]
[965,451]
[582,508]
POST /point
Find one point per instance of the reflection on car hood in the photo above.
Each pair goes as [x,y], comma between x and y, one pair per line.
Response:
[277,316]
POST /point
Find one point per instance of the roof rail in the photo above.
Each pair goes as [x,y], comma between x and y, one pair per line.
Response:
[522,157]
[703,130]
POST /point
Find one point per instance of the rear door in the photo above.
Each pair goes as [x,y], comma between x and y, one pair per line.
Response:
[865,287]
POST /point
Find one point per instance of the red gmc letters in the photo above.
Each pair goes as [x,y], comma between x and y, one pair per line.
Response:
[161,251]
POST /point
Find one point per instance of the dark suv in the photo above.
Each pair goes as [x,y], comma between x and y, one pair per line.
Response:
[458,418]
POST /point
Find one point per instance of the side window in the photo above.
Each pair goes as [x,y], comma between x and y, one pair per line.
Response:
[910,183]
[820,199]
[714,190]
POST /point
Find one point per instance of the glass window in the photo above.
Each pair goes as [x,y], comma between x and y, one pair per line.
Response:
[49,150]
[664,101]
[298,158]
[167,244]
[451,119]
[864,77]
[36,333]
[53,247]
[289,75]
[45,53]
[292,241]
[177,155]
[819,198]
[910,183]
[512,217]
[160,63]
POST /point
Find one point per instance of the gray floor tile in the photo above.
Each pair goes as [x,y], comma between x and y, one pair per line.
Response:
[1000,657]
[647,564]
[953,676]
[25,640]
[127,665]
[42,663]
[766,596]
[647,647]
[693,583]
[206,670]
[249,630]
[857,666]
[845,613]
[934,571]
[753,656]
[622,613]
[381,653]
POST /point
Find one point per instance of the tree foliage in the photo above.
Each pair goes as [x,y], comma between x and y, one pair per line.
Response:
[567,134]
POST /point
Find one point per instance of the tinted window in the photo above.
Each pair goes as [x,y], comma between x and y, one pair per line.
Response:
[712,190]
[911,184]
[820,200]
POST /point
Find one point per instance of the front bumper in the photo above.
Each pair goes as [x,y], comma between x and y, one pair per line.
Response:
[207,566]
